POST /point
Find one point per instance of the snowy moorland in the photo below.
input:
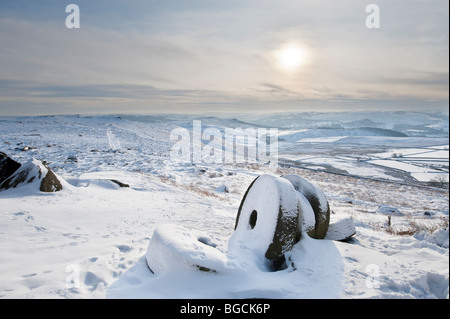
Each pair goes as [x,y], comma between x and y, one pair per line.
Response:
[90,239]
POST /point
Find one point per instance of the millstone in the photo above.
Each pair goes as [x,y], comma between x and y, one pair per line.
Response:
[318,202]
[267,223]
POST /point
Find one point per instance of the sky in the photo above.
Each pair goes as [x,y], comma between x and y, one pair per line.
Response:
[233,56]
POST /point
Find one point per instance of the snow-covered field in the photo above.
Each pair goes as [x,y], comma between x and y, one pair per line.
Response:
[90,239]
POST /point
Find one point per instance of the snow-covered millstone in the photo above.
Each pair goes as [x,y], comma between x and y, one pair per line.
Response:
[173,248]
[341,228]
[267,223]
[318,202]
[36,174]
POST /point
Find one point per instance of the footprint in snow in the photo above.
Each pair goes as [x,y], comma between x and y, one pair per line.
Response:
[91,281]
[27,218]
[124,248]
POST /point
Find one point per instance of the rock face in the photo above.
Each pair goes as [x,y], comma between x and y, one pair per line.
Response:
[267,222]
[318,202]
[33,172]
[274,213]
[7,166]
[50,183]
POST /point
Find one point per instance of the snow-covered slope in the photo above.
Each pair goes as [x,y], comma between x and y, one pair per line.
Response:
[89,240]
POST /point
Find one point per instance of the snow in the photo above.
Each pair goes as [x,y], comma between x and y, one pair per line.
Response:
[349,165]
[341,228]
[440,147]
[419,173]
[439,237]
[91,239]
[402,268]
[392,148]
[328,139]
[427,152]
[434,154]
[320,277]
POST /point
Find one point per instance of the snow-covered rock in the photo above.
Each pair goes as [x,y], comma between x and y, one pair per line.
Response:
[174,248]
[318,202]
[7,166]
[267,224]
[341,228]
[388,210]
[222,189]
[36,174]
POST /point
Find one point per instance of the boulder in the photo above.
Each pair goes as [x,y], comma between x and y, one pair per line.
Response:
[318,202]
[50,183]
[7,166]
[267,223]
[33,172]
[341,228]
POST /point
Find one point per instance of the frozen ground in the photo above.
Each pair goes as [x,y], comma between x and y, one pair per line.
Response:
[90,240]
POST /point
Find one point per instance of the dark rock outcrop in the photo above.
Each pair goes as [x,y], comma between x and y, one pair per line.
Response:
[119,183]
[33,171]
[7,166]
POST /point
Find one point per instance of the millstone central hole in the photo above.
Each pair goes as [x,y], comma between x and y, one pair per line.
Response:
[253,218]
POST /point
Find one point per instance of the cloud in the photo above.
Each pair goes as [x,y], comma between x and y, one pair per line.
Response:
[163,55]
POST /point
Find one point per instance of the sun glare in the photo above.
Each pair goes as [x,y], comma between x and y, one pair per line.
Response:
[291,57]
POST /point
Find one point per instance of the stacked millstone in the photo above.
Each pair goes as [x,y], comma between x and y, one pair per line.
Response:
[33,172]
[314,205]
[274,213]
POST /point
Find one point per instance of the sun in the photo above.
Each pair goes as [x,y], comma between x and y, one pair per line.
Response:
[291,57]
